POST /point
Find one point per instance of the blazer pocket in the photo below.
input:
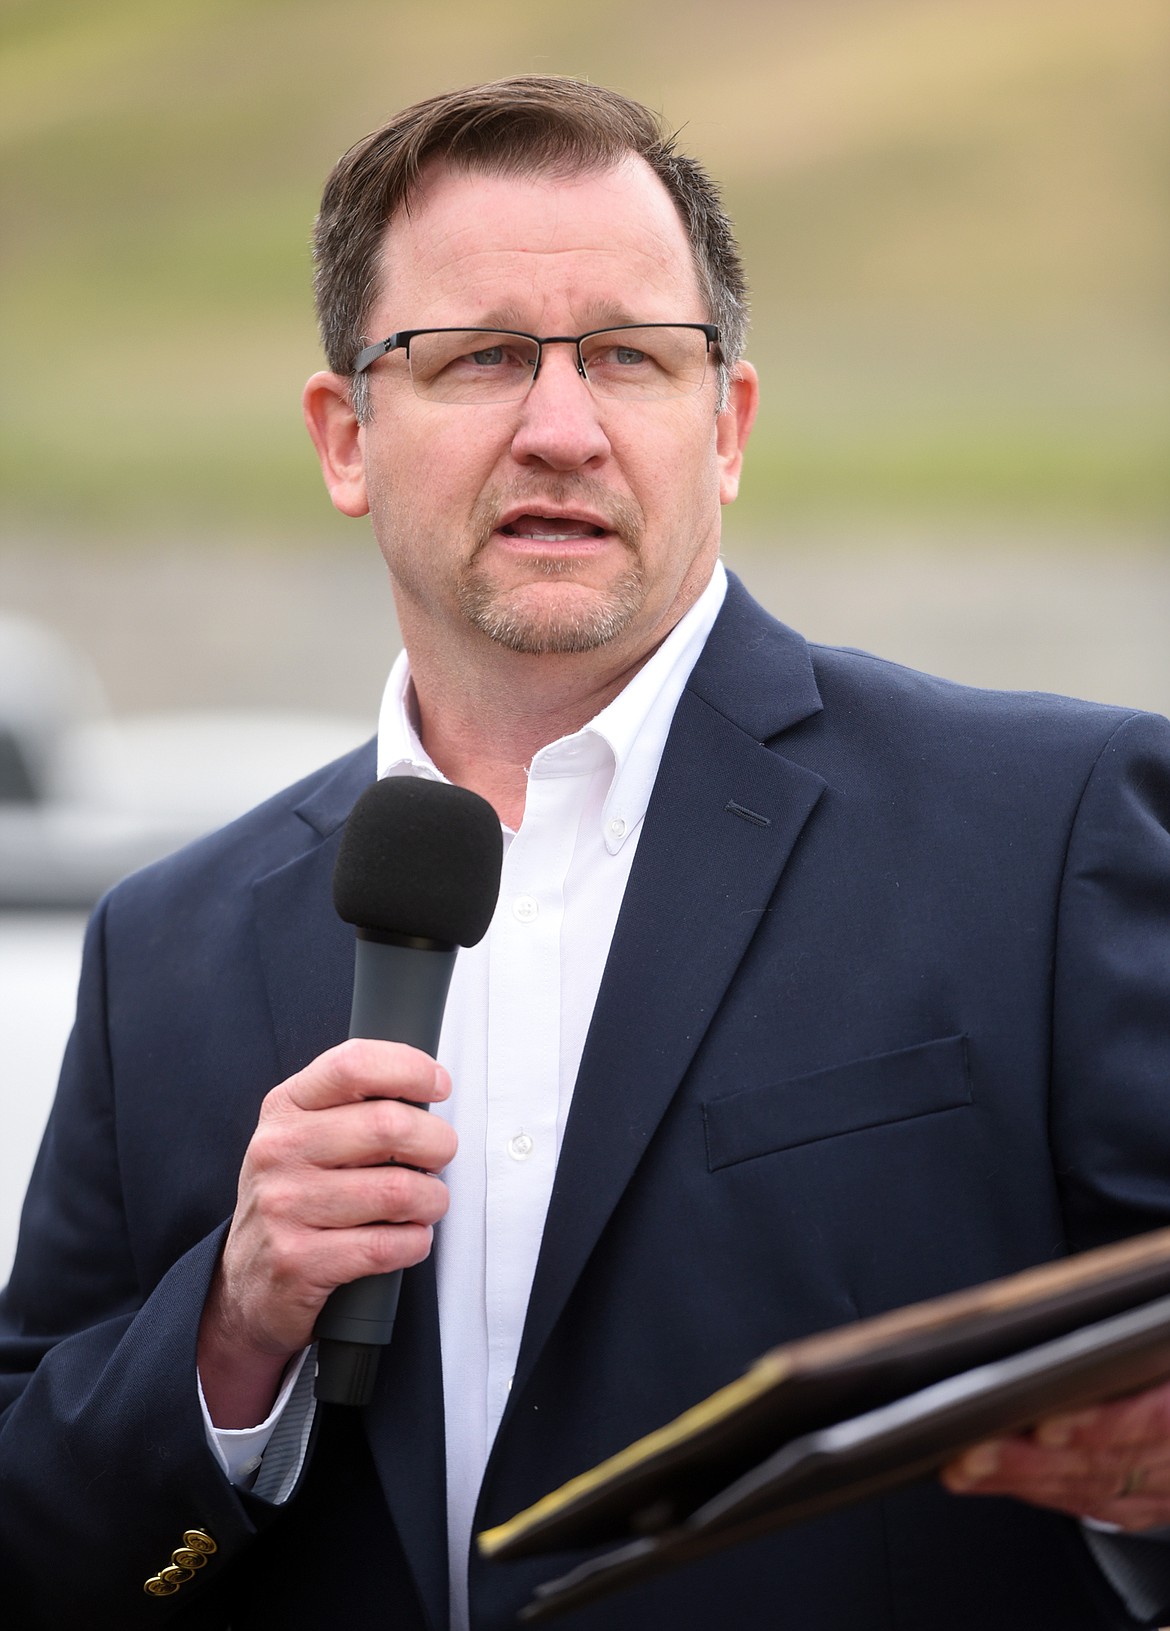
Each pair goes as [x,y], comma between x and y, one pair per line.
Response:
[873,1092]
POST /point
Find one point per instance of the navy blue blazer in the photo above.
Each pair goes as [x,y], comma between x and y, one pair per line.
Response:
[886,1013]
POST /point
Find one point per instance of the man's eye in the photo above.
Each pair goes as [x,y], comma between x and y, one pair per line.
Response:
[492,357]
[626,355]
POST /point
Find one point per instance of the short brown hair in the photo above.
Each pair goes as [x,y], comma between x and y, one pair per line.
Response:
[530,124]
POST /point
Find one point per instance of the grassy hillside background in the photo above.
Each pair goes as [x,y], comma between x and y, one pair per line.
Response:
[954,215]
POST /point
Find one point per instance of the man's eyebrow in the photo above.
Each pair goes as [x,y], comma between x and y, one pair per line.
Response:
[510,320]
[503,317]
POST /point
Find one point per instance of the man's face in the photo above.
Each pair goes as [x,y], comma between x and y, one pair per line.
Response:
[561,522]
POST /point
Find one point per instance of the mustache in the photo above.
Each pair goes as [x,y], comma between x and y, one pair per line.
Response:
[623,515]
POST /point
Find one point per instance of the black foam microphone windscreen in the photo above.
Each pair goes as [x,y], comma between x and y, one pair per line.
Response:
[418,874]
[420,859]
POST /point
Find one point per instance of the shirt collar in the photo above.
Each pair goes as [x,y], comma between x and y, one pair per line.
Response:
[400,751]
[631,730]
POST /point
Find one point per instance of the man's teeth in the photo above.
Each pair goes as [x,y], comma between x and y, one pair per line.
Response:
[552,532]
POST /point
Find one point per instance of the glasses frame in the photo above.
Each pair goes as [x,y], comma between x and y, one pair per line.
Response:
[401,342]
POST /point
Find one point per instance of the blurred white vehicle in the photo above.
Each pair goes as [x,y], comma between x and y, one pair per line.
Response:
[87,796]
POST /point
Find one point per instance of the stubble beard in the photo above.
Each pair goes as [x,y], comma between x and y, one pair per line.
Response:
[537,624]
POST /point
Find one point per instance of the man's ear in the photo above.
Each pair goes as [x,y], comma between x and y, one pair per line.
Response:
[733,427]
[337,436]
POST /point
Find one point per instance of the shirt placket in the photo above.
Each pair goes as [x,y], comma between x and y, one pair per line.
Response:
[524,1039]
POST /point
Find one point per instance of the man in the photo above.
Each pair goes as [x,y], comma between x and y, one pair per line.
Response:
[815,987]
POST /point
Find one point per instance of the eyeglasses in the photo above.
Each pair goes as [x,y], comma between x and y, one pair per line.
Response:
[637,362]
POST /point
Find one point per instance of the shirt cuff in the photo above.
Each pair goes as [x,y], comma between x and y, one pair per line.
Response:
[240,1450]
[1136,1565]
[1104,1528]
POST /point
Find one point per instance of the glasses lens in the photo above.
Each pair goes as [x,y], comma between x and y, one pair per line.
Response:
[646,362]
[471,365]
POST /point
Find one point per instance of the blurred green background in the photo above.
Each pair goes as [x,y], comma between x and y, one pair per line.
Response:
[954,214]
[953,211]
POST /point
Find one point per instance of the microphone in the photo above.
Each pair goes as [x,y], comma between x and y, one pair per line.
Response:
[418,875]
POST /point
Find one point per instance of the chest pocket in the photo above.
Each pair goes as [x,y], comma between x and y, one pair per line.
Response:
[889,1087]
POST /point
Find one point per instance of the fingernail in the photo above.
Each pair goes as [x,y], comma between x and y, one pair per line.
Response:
[1059,1431]
[978,1463]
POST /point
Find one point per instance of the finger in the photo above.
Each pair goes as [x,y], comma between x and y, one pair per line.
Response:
[1141,1419]
[355,1198]
[382,1250]
[1059,1431]
[362,1068]
[304,1269]
[1006,1464]
[1085,1483]
[366,1134]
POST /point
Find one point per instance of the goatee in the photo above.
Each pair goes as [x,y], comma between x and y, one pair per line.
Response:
[530,620]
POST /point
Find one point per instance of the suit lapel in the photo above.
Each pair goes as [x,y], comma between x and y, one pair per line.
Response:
[306,953]
[723,819]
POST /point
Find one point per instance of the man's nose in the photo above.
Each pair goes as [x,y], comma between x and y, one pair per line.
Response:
[559,423]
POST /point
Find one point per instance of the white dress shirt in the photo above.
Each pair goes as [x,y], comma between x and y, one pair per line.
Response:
[513,1033]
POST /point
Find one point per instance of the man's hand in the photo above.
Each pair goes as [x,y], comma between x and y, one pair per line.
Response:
[1111,1463]
[318,1207]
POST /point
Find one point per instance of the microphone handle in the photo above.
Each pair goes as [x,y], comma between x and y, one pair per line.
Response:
[399,991]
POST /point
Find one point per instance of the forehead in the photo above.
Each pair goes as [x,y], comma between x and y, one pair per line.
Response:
[528,250]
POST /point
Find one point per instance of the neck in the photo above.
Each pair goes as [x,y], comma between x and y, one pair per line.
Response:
[485,711]
[483,730]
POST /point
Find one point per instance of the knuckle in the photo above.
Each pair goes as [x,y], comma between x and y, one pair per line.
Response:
[394,1192]
[391,1121]
[275,1145]
[356,1057]
[277,1198]
[403,1196]
[271,1159]
[398,1247]
[286,1265]
[277,1101]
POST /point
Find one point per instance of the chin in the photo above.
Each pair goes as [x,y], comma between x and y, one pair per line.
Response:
[550,618]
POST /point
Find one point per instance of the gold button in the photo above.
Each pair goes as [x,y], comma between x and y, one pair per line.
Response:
[156,1586]
[174,1576]
[188,1559]
[199,1541]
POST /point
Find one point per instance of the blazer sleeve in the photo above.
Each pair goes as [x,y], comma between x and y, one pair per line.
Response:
[1111,1046]
[1110,1113]
[104,1464]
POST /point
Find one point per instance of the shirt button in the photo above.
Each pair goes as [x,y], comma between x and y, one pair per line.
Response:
[524,908]
[520,1147]
[618,827]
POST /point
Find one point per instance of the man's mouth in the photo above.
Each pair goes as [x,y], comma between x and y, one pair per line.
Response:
[550,529]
